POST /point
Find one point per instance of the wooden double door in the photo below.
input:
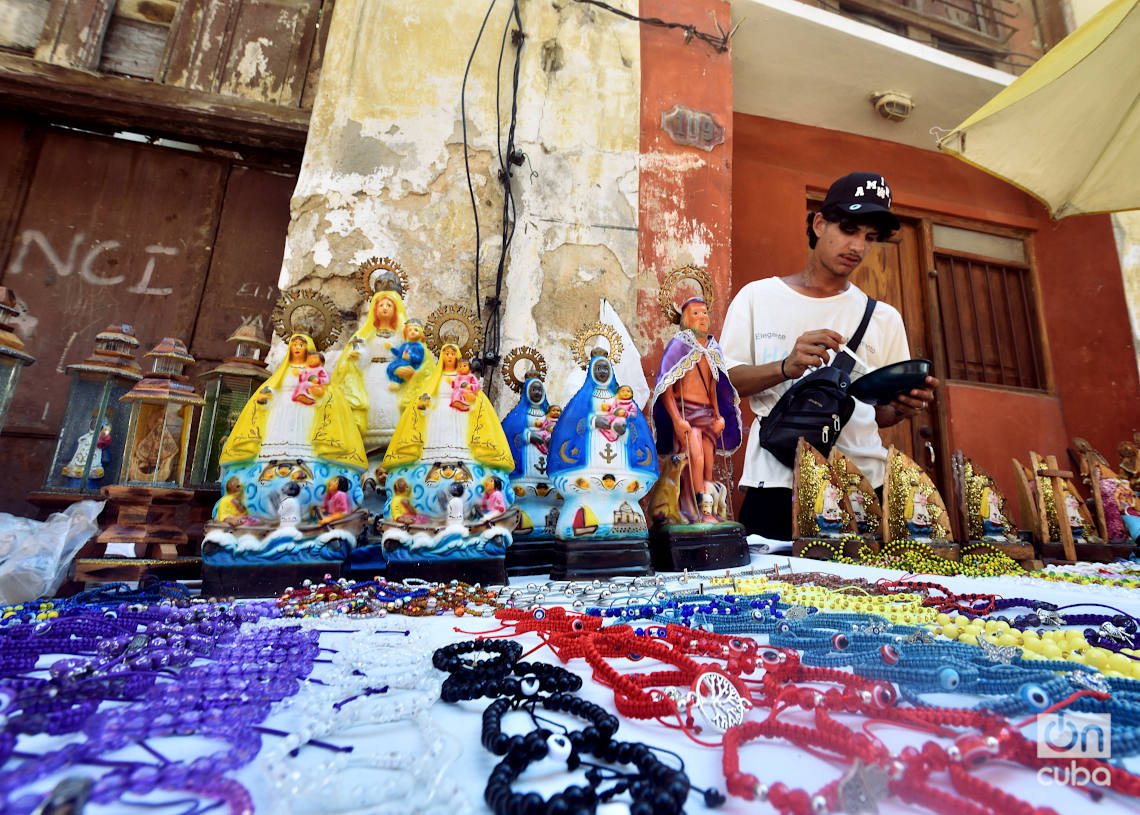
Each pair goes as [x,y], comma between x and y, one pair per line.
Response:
[894,272]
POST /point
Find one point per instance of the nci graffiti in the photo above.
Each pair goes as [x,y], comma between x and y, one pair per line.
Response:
[81,258]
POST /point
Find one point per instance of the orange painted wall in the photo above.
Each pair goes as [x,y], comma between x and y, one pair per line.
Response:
[684,192]
[1091,351]
[994,426]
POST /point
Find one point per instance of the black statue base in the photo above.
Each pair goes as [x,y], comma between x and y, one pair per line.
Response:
[587,559]
[530,557]
[489,571]
[263,580]
[698,547]
[367,561]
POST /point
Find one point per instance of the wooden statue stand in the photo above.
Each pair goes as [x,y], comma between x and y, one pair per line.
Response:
[676,547]
[145,520]
[51,502]
[526,557]
[587,559]
[965,470]
[1065,549]
[1096,470]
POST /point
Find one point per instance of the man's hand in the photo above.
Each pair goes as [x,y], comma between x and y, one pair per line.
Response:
[810,351]
[907,405]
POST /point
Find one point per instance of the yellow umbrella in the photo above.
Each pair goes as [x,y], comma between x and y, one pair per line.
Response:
[1068,130]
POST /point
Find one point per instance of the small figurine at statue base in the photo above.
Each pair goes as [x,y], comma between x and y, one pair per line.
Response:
[696,413]
[602,469]
[446,520]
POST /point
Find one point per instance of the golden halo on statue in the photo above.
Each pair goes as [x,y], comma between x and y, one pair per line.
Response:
[374,272]
[305,311]
[516,355]
[581,347]
[668,291]
[437,334]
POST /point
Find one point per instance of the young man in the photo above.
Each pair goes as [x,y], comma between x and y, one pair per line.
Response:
[778,328]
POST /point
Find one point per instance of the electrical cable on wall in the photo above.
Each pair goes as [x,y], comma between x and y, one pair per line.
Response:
[513,158]
[466,160]
[488,359]
[719,41]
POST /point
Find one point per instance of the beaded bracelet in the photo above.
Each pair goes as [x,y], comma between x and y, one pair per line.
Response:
[601,724]
[453,658]
[655,788]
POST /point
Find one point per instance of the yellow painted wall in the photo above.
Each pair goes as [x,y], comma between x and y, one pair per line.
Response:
[383,172]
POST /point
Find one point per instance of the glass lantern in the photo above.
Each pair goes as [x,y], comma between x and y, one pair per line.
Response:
[12,356]
[162,410]
[228,388]
[89,449]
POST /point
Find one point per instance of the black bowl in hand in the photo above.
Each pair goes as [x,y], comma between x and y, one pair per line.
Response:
[884,384]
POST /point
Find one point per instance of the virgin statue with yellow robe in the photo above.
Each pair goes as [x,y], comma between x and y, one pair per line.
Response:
[298,426]
[376,399]
[448,446]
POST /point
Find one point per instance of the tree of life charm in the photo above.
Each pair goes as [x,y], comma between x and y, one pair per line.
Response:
[718,700]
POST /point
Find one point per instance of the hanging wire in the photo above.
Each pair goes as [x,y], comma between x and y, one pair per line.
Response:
[509,158]
[466,159]
[718,41]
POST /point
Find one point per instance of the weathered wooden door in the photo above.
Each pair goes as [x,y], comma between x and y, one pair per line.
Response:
[893,273]
[97,230]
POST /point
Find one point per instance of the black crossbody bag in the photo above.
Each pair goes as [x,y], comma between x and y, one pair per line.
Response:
[816,407]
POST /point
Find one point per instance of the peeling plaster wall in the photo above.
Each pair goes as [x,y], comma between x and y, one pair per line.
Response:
[383,172]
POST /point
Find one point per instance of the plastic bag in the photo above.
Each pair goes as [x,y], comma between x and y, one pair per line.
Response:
[35,555]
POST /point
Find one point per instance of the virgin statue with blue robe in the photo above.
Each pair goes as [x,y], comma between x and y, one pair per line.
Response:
[525,427]
[602,460]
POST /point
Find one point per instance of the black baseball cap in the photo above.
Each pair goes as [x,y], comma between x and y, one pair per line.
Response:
[862,196]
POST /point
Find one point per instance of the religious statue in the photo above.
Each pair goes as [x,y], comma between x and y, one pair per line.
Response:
[696,411]
[915,509]
[296,453]
[385,361]
[866,508]
[601,468]
[91,446]
[446,447]
[528,428]
[994,524]
[155,455]
[821,508]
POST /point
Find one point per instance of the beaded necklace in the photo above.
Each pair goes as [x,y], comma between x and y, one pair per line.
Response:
[977,559]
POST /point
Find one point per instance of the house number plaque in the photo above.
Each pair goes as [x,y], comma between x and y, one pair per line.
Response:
[692,127]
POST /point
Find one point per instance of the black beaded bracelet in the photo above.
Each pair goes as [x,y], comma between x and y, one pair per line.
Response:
[529,679]
[453,658]
[655,788]
[601,728]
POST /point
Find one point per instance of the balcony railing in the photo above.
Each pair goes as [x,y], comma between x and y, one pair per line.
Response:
[974,29]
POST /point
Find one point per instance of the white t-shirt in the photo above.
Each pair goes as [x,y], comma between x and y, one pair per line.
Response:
[762,325]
